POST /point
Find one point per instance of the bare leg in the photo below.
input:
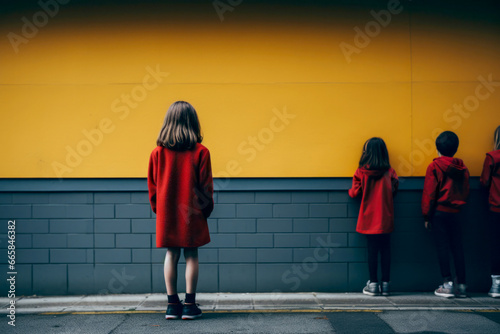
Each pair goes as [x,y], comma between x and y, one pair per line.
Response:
[170,269]
[192,268]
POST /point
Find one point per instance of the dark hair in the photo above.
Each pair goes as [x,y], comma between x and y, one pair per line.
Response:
[447,143]
[181,128]
[375,155]
[497,138]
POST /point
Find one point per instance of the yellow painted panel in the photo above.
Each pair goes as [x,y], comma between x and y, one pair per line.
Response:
[447,48]
[87,95]
[469,111]
[114,50]
[286,130]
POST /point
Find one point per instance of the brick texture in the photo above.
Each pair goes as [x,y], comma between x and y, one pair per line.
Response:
[81,242]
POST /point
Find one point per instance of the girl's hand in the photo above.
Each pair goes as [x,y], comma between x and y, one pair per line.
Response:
[427,225]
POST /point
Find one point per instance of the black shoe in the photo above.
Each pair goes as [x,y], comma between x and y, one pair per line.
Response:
[190,312]
[174,311]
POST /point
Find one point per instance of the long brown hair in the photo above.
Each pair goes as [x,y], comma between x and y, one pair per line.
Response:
[497,138]
[375,155]
[181,128]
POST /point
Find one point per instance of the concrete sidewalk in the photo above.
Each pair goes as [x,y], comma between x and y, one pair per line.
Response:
[250,302]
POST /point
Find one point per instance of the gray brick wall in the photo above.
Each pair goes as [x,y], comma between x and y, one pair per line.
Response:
[92,242]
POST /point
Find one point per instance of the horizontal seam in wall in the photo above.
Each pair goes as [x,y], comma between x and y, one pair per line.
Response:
[13,185]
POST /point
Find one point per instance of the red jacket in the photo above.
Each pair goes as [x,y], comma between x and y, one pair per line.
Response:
[446,186]
[377,187]
[490,178]
[181,194]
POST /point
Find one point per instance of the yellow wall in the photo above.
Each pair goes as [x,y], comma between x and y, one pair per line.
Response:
[264,59]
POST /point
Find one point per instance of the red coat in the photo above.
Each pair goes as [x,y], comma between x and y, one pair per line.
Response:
[377,187]
[490,178]
[446,186]
[181,194]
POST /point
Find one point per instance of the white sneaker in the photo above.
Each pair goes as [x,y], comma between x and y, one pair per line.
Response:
[371,289]
[461,291]
[495,287]
[445,290]
[384,288]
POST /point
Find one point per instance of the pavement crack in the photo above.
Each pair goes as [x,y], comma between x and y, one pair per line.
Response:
[119,324]
[390,301]
[142,302]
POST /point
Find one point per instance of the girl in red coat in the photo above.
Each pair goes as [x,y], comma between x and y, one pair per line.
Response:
[376,182]
[490,179]
[181,194]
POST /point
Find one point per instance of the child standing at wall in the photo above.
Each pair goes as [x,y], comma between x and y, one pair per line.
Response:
[181,194]
[446,188]
[490,179]
[377,184]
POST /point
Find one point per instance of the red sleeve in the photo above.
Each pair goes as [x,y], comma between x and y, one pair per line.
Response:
[486,174]
[357,187]
[431,184]
[152,172]
[206,184]
[394,182]
[466,184]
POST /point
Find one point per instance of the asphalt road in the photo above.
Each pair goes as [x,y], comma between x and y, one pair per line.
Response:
[358,322]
